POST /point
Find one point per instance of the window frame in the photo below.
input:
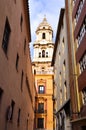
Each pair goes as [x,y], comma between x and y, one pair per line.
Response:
[17,61]
[18,118]
[40,123]
[43,36]
[22,77]
[43,53]
[6,36]
[41,89]
[41,107]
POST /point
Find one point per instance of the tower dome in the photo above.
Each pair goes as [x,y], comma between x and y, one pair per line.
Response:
[44,25]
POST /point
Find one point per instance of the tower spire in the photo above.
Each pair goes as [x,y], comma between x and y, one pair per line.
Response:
[44,20]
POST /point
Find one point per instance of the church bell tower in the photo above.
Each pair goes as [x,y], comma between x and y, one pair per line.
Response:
[43,74]
[43,46]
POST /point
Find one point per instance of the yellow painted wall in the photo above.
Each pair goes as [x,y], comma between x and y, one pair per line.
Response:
[48,81]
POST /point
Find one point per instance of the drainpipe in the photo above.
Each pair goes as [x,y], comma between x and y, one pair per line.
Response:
[74,96]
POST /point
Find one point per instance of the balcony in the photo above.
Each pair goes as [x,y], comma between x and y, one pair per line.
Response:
[41,111]
[40,129]
[45,71]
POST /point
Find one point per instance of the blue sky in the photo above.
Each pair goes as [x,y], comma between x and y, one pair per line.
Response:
[39,8]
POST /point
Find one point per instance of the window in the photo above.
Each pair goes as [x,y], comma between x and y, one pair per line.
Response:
[63,45]
[84,95]
[82,32]
[82,63]
[18,119]
[60,96]
[60,79]
[22,75]
[40,123]
[59,57]
[43,27]
[43,36]
[24,45]
[65,90]
[21,22]
[10,111]
[46,54]
[12,106]
[80,6]
[15,1]
[6,36]
[64,68]
[43,53]
[17,60]
[34,71]
[41,89]
[41,107]
[1,92]
[39,54]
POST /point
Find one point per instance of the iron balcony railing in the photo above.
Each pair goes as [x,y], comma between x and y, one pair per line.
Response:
[41,111]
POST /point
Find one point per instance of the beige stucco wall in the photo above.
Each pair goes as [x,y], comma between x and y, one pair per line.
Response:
[59,65]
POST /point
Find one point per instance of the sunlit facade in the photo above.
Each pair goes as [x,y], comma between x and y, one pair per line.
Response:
[43,74]
[60,62]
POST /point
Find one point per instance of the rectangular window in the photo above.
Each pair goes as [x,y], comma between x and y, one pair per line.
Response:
[1,92]
[84,95]
[60,96]
[12,109]
[41,89]
[40,123]
[64,68]
[17,60]
[25,46]
[21,22]
[22,75]
[6,36]
[41,107]
[60,79]
[82,63]
[18,119]
[65,90]
[82,32]
[43,36]
[46,54]
[39,54]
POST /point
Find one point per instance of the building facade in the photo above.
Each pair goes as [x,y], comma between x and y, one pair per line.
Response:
[76,15]
[79,30]
[43,74]
[16,79]
[60,62]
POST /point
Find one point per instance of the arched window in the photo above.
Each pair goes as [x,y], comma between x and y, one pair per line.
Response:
[43,53]
[43,35]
